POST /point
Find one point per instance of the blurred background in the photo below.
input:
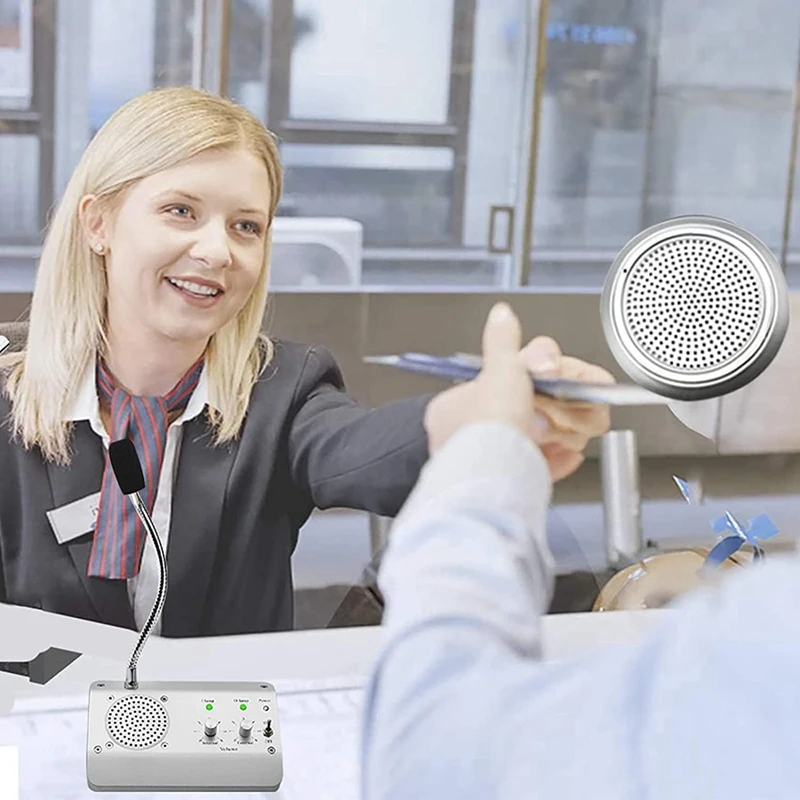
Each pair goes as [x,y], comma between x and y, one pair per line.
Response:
[439,155]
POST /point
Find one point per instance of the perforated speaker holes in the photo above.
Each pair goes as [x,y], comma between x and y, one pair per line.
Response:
[137,721]
[693,303]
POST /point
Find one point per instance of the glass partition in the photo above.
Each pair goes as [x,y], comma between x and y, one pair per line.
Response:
[656,108]
[471,145]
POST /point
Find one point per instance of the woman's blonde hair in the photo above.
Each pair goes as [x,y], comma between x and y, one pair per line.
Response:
[67,319]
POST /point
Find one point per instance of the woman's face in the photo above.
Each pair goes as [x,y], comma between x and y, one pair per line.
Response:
[184,248]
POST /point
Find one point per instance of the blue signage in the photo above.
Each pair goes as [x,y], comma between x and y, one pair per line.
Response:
[615,35]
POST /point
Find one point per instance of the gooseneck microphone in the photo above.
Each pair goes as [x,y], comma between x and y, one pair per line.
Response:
[177,736]
[128,472]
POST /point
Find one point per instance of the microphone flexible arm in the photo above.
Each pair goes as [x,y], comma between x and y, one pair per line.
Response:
[131,681]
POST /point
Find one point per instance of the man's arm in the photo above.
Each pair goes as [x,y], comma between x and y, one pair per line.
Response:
[465,578]
[460,707]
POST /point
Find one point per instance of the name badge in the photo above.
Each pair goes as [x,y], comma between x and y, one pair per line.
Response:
[74,519]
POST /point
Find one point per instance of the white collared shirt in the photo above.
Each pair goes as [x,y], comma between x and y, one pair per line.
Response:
[143,588]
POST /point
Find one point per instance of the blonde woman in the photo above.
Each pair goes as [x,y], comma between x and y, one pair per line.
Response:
[146,323]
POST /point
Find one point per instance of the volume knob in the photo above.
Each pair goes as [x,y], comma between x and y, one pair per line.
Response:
[245,728]
[210,728]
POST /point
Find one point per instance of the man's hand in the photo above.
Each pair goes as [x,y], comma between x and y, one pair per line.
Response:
[564,428]
[503,393]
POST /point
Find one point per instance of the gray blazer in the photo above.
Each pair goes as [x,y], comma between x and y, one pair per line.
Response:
[236,509]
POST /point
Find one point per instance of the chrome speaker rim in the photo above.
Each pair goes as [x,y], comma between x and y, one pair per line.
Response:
[709,336]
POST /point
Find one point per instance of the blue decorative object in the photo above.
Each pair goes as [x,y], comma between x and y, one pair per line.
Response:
[757,530]
[684,487]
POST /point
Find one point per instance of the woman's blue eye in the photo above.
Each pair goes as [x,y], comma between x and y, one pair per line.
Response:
[254,227]
[246,226]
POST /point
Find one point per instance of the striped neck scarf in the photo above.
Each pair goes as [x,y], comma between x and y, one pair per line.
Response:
[119,533]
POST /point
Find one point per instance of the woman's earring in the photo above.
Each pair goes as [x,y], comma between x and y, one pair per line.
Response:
[100,249]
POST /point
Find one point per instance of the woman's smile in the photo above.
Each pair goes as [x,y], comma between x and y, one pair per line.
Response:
[196,294]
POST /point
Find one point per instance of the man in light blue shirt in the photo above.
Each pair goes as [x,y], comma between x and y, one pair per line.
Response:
[460,705]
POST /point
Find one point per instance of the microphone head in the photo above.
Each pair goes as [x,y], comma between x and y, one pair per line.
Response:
[126,465]
[694,308]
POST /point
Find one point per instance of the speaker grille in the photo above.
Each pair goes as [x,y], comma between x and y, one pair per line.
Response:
[693,303]
[137,721]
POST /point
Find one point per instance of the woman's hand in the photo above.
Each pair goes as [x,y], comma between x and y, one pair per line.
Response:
[564,428]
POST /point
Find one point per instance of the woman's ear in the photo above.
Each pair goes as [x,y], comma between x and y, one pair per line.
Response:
[94,223]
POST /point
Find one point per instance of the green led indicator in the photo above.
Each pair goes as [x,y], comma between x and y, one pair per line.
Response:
[243,706]
[209,706]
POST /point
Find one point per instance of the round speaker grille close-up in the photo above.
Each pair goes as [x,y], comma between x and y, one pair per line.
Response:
[694,307]
[137,722]
[693,303]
